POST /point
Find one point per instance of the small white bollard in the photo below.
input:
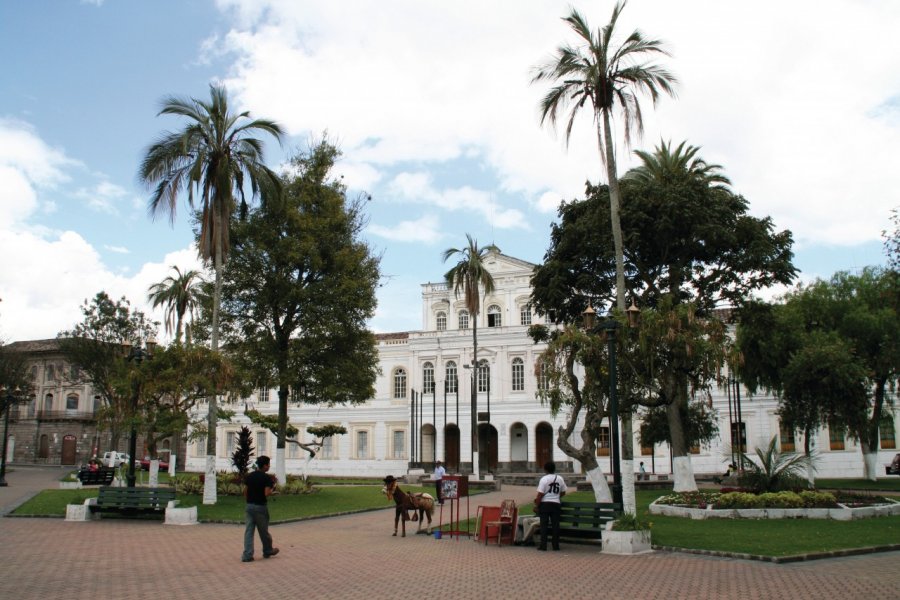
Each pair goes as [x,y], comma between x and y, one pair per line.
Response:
[81,512]
[180,516]
[172,459]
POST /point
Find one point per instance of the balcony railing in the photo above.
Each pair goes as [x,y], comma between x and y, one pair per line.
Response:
[62,415]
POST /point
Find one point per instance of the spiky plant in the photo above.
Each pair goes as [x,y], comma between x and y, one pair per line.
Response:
[773,470]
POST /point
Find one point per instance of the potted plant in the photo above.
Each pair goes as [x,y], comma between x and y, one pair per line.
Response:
[627,534]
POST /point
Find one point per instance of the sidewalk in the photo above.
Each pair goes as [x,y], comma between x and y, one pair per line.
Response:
[355,557]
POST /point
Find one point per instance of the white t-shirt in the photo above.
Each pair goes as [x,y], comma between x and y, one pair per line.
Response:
[439,472]
[552,486]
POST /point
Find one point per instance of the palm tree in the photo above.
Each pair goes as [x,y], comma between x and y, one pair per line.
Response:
[667,167]
[180,294]
[608,78]
[213,158]
[468,275]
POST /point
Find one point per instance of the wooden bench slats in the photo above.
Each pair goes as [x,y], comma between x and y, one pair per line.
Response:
[586,520]
[133,500]
[99,477]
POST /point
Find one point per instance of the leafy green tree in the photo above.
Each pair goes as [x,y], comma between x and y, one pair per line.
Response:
[892,242]
[214,157]
[689,240]
[830,351]
[180,294]
[470,275]
[699,423]
[98,345]
[298,290]
[608,78]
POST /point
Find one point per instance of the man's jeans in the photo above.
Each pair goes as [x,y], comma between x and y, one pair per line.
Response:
[257,518]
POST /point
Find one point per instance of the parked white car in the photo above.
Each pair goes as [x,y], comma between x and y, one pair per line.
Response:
[118,458]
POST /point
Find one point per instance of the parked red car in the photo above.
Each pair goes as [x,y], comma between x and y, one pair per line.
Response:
[145,464]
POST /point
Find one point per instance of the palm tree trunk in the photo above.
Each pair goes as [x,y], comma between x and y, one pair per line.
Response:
[209,486]
[614,204]
[475,466]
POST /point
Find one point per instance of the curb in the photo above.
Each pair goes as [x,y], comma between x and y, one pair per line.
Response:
[783,559]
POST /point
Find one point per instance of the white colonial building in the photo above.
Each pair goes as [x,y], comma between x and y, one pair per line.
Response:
[422,405]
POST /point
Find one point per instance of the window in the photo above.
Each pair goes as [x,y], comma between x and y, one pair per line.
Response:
[72,402]
[463,319]
[48,402]
[399,444]
[230,443]
[493,313]
[293,449]
[400,383]
[50,373]
[75,372]
[786,434]
[295,395]
[603,442]
[362,444]
[695,449]
[428,378]
[34,372]
[452,383]
[97,404]
[543,381]
[836,436]
[484,376]
[886,431]
[646,450]
[264,393]
[200,447]
[525,315]
[262,442]
[518,375]
[32,405]
[442,321]
[327,450]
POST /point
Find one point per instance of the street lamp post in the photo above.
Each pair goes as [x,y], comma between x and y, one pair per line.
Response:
[610,326]
[136,354]
[9,399]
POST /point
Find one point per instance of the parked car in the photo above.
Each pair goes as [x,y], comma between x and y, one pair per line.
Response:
[894,467]
[117,457]
[145,464]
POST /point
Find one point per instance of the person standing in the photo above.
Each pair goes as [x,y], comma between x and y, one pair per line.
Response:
[550,491]
[439,472]
[258,486]
[643,473]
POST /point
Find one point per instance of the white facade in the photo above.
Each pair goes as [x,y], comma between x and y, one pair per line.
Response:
[386,436]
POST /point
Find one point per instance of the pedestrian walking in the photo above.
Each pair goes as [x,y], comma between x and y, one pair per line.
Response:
[258,486]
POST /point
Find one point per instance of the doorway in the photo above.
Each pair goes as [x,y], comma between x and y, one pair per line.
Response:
[451,448]
[68,450]
[543,442]
[487,445]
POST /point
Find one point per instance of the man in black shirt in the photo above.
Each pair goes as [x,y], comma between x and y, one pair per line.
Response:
[258,485]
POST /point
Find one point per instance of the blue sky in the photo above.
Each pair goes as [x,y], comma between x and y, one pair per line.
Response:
[432,106]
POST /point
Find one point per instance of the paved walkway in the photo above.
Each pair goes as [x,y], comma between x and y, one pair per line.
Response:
[355,556]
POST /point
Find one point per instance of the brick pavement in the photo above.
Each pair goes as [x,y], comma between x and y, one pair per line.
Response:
[355,556]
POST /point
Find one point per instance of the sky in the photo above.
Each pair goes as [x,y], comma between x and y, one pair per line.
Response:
[434,109]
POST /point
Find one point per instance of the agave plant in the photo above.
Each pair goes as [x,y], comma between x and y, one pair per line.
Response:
[774,471]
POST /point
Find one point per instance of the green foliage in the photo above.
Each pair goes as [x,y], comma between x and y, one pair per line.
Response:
[630,522]
[700,423]
[773,470]
[325,431]
[181,296]
[243,451]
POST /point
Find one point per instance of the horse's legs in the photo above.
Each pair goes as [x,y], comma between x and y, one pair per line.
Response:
[396,519]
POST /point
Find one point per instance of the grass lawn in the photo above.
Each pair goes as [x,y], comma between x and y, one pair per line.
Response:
[890,483]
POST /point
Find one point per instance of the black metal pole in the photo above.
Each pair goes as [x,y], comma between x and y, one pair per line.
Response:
[614,416]
[412,426]
[434,423]
[8,401]
[132,444]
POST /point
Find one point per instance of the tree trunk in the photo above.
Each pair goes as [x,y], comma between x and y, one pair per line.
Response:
[807,451]
[281,436]
[614,204]
[475,466]
[681,460]
[209,485]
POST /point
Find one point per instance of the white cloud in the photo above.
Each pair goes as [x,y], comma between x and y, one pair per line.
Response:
[793,112]
[425,230]
[117,249]
[103,197]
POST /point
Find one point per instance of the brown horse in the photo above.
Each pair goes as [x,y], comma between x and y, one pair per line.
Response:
[422,505]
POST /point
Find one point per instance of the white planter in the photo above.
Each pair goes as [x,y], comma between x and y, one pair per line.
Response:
[70,485]
[626,542]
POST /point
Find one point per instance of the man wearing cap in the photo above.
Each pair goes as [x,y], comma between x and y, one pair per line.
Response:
[439,472]
[258,486]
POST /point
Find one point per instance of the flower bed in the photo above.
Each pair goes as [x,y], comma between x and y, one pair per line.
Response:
[781,505]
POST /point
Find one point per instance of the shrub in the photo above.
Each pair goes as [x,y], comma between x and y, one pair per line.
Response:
[813,499]
[738,500]
[776,471]
[630,522]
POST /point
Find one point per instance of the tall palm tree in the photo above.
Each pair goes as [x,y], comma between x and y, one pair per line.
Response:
[468,276]
[667,167]
[180,294]
[608,78]
[214,157]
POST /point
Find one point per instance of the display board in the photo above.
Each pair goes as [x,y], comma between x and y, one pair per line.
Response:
[454,487]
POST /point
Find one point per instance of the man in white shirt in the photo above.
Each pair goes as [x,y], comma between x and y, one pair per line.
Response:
[550,491]
[439,473]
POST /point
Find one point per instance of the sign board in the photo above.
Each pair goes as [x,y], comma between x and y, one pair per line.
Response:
[484,416]
[454,486]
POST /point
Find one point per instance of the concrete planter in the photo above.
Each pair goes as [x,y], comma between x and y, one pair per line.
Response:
[626,542]
[838,514]
[70,485]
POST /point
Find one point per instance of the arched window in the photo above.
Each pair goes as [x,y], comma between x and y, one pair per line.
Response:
[72,402]
[48,402]
[542,379]
[428,378]
[525,315]
[493,313]
[442,321]
[484,376]
[400,383]
[518,375]
[463,319]
[452,382]
[97,404]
